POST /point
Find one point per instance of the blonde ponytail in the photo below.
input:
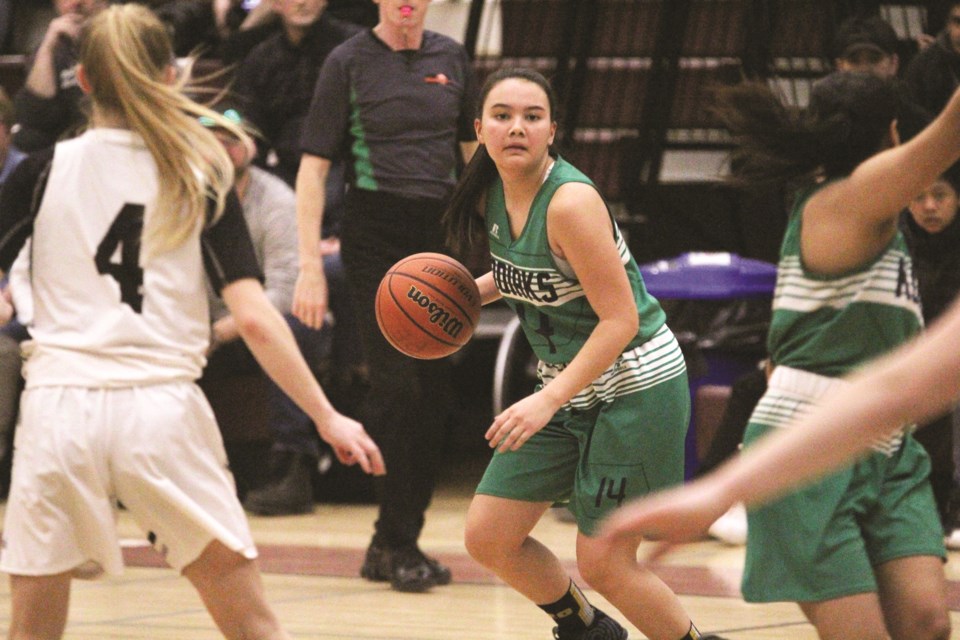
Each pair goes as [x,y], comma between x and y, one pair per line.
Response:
[126,54]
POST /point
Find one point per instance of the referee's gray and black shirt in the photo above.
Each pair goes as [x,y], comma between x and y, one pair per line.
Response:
[396,115]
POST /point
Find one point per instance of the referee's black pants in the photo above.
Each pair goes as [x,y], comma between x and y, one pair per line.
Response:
[407,406]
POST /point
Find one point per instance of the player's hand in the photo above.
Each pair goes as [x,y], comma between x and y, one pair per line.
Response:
[310,297]
[672,517]
[351,443]
[512,428]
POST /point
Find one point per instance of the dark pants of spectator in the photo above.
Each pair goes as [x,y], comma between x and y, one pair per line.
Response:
[937,438]
[291,428]
[409,401]
[11,385]
[745,393]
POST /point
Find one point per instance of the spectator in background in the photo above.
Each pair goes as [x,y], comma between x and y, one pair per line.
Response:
[13,332]
[275,84]
[49,104]
[10,156]
[932,230]
[399,98]
[276,80]
[269,209]
[869,44]
[260,22]
[934,73]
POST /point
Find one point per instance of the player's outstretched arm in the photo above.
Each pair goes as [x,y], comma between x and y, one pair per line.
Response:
[272,344]
[913,384]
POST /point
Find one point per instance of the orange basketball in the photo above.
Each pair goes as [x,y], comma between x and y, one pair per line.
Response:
[428,305]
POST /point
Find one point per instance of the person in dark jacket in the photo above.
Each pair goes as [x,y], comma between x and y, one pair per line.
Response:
[275,81]
[932,230]
[49,104]
[934,73]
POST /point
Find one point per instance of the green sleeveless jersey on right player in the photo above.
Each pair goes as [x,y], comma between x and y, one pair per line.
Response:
[556,316]
[830,325]
[825,540]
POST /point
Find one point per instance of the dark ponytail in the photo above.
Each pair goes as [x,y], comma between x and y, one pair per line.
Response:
[463,219]
[847,122]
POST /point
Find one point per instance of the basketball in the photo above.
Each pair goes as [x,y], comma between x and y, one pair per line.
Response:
[428,305]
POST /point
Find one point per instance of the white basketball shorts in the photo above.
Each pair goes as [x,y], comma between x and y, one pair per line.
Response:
[78,450]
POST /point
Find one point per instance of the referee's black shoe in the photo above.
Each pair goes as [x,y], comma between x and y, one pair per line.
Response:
[406,568]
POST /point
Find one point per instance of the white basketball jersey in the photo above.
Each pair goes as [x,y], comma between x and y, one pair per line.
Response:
[101,316]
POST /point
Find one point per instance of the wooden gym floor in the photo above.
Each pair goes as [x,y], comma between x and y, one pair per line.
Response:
[310,566]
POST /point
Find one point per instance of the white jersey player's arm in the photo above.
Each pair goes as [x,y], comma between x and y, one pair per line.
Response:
[272,343]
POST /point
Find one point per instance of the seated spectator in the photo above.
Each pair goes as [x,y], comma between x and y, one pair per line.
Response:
[14,332]
[10,156]
[934,73]
[932,229]
[275,83]
[49,104]
[259,21]
[269,208]
[17,292]
[869,44]
[276,80]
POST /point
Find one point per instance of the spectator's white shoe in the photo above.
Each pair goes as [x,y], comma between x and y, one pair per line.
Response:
[731,527]
[952,540]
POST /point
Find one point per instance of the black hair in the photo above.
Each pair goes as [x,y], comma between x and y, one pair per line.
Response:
[463,219]
[847,121]
[952,175]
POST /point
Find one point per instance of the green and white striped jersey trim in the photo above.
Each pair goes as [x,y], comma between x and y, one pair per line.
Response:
[880,284]
[655,361]
[793,392]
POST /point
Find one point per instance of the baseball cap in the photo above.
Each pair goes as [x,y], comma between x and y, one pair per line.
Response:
[869,37]
[231,113]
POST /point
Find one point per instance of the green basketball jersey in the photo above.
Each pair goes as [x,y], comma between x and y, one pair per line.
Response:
[832,324]
[553,309]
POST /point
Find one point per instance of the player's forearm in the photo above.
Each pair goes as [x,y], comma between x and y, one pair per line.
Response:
[599,352]
[914,384]
[271,342]
[488,289]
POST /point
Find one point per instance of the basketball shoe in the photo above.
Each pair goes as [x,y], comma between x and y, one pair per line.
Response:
[603,628]
[406,568]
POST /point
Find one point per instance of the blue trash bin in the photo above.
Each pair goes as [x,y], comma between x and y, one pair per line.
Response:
[710,277]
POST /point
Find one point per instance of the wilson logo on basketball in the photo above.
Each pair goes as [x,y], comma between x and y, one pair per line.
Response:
[436,313]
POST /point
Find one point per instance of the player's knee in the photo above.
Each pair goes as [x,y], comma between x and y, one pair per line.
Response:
[599,573]
[482,544]
[930,622]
